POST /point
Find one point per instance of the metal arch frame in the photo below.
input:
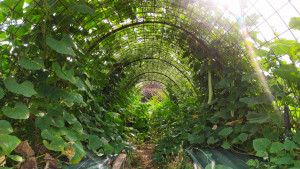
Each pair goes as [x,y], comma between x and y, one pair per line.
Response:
[141,74]
[124,52]
[155,22]
[136,60]
[146,22]
[157,81]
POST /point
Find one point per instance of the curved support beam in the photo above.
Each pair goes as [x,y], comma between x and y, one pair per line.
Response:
[156,81]
[155,22]
[151,73]
[146,22]
[150,58]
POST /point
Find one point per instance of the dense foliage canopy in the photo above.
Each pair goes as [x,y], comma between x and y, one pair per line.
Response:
[72,73]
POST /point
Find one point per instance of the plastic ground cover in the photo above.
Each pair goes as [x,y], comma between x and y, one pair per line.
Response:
[206,158]
[92,161]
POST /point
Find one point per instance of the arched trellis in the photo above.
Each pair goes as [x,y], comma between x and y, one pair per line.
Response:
[160,52]
[120,68]
[147,22]
[144,73]
[201,42]
[151,81]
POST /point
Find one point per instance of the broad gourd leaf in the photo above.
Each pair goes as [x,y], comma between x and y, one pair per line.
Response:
[16,158]
[35,64]
[243,137]
[46,134]
[226,145]
[64,73]
[94,142]
[63,46]
[43,122]
[57,144]
[82,7]
[196,138]
[276,147]
[108,149]
[212,140]
[284,160]
[252,163]
[254,117]
[25,88]
[1,93]
[73,136]
[8,143]
[79,153]
[295,23]
[5,127]
[70,118]
[20,111]
[289,145]
[77,127]
[261,144]
[224,83]
[288,72]
[264,98]
[296,137]
[226,131]
[281,48]
[249,76]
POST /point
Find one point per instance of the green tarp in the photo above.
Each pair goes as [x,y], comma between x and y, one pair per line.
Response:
[92,161]
[207,158]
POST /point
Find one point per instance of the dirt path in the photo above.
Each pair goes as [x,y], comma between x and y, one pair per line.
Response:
[145,153]
[141,158]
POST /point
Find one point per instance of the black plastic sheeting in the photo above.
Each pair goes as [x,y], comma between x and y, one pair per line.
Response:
[213,158]
[92,161]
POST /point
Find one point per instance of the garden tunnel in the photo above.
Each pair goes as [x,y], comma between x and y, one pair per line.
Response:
[72,73]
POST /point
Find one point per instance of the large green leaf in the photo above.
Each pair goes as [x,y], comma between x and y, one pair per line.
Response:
[16,158]
[261,144]
[82,7]
[254,117]
[94,142]
[288,72]
[5,127]
[226,131]
[295,23]
[8,143]
[46,134]
[64,73]
[195,138]
[57,144]
[225,145]
[35,64]
[25,88]
[79,153]
[284,160]
[1,93]
[108,149]
[63,46]
[276,147]
[289,145]
[243,137]
[260,99]
[296,137]
[20,111]
[43,122]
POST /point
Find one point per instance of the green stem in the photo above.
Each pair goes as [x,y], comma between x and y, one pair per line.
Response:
[210,92]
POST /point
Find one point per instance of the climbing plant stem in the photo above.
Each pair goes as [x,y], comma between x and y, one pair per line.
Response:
[210,92]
